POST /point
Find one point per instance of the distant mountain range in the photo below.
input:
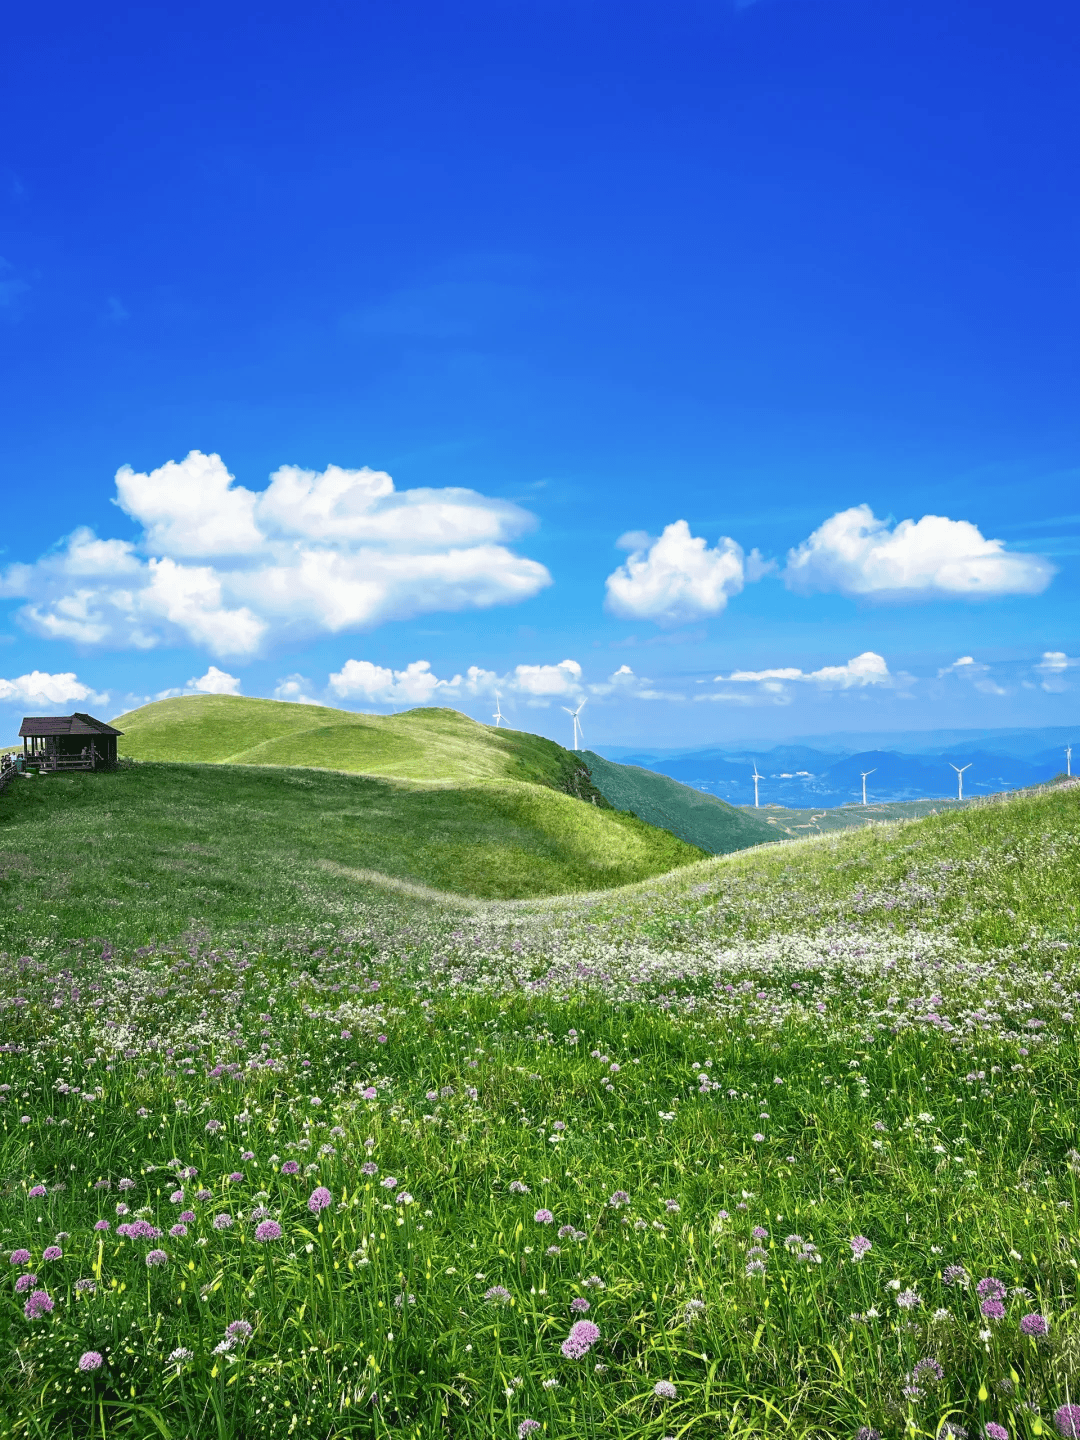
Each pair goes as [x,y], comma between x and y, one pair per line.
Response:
[800,775]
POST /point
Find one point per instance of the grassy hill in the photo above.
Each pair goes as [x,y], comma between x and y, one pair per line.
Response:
[423,744]
[700,819]
[157,845]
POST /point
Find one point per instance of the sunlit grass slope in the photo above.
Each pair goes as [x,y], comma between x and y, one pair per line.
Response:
[151,846]
[424,744]
[697,818]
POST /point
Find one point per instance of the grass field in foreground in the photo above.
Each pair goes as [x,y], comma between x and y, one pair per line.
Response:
[364,1178]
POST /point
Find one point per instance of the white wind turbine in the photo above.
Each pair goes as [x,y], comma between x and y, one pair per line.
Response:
[577,724]
[498,716]
[864,774]
[1068,759]
[757,777]
[960,778]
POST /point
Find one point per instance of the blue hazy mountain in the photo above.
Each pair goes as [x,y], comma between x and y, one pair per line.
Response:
[799,775]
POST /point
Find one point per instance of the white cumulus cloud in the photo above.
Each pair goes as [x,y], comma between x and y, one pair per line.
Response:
[415,685]
[856,554]
[296,689]
[214,682]
[676,577]
[868,668]
[418,684]
[316,552]
[48,691]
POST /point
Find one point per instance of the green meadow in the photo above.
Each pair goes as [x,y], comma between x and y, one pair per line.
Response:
[352,1105]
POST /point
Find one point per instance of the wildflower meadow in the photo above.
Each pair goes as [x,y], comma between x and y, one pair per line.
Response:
[785,1143]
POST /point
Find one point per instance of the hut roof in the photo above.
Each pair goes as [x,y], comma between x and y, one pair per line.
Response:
[77,724]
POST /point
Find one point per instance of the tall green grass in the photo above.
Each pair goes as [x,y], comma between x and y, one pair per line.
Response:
[712,1083]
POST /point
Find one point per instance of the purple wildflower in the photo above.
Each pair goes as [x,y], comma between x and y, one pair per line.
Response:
[990,1289]
[236,1177]
[268,1230]
[319,1199]
[156,1257]
[222,1222]
[91,1360]
[239,1330]
[865,1432]
[186,1216]
[579,1305]
[290,1168]
[497,1295]
[204,1195]
[993,1309]
[52,1252]
[619,1198]
[759,1232]
[369,1168]
[543,1217]
[1067,1421]
[664,1390]
[178,1231]
[956,1275]
[86,1287]
[40,1303]
[527,1427]
[36,1192]
[24,1282]
[1035,1325]
[389,1182]
[371,1093]
[860,1245]
[101,1225]
[518,1187]
[927,1370]
[20,1257]
[126,1184]
[583,1336]
[993,1431]
[177,1197]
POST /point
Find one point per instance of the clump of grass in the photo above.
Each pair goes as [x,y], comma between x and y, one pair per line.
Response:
[795,1132]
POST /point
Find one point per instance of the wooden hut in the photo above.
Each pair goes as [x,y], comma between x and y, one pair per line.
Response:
[68,742]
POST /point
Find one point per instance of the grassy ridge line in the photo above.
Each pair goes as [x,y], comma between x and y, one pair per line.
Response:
[422,744]
[699,819]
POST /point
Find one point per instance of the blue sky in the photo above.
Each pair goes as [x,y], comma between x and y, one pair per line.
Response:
[669,324]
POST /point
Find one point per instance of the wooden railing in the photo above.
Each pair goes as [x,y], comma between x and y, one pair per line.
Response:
[8,771]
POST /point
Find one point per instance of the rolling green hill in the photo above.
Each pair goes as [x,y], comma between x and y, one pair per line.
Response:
[160,845]
[423,744]
[703,820]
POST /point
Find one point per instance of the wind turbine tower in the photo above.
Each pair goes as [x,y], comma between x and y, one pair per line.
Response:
[1068,760]
[864,774]
[577,724]
[960,778]
[498,716]
[757,777]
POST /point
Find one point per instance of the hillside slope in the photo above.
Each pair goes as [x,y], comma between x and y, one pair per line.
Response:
[153,848]
[423,744]
[703,820]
